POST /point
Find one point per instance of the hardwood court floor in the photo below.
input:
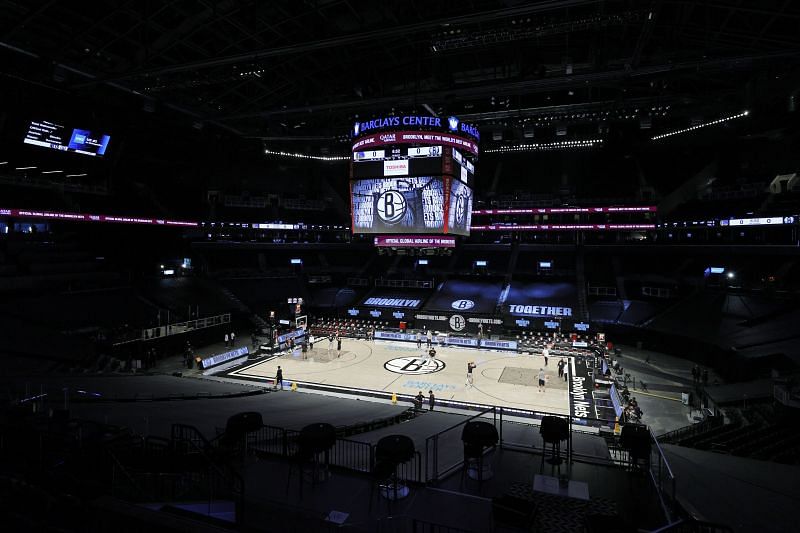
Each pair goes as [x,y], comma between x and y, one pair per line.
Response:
[361,365]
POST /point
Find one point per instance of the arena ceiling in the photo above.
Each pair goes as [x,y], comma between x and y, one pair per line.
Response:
[303,70]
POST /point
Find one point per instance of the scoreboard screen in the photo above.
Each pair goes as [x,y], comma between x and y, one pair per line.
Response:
[398,205]
[459,216]
[415,161]
[58,137]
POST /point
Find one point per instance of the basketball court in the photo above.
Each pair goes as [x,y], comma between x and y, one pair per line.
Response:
[501,378]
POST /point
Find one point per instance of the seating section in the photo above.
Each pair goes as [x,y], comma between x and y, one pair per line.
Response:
[347,327]
[263,294]
[760,431]
[187,297]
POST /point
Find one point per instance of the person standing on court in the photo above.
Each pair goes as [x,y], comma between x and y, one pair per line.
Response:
[541,380]
[430,338]
[227,339]
[419,398]
[338,346]
[330,343]
[431,400]
[279,378]
[233,339]
[419,339]
[470,367]
[545,353]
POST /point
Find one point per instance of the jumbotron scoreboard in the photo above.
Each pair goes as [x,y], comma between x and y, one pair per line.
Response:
[412,181]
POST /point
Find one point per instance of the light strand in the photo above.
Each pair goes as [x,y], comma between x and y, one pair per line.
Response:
[698,126]
[307,156]
[559,145]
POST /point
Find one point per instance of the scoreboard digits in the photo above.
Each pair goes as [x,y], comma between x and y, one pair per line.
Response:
[410,153]
[373,155]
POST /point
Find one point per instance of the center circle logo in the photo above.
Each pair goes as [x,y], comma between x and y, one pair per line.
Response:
[391,207]
[414,365]
[462,305]
[457,322]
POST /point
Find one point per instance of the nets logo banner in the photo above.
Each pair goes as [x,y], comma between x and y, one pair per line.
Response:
[457,323]
[459,216]
[462,305]
[398,205]
[455,293]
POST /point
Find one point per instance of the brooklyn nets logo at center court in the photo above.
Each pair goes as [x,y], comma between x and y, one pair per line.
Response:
[413,365]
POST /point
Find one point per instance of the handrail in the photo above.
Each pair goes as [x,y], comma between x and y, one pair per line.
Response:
[233,478]
[691,429]
[467,420]
[690,525]
[661,453]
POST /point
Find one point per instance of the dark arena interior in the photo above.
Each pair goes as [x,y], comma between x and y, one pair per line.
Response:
[399,266]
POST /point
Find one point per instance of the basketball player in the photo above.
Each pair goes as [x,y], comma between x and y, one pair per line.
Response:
[541,380]
[470,367]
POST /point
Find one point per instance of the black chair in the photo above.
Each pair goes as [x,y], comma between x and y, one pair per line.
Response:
[553,430]
[477,437]
[380,475]
[237,428]
[313,441]
[635,438]
[392,451]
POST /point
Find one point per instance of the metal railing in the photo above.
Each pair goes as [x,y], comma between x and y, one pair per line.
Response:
[177,328]
[663,479]
[408,524]
[352,455]
[692,430]
[692,526]
[439,447]
[346,453]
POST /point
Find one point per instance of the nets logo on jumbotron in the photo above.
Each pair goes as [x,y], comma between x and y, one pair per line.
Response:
[356,128]
[452,123]
[391,207]
[461,209]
